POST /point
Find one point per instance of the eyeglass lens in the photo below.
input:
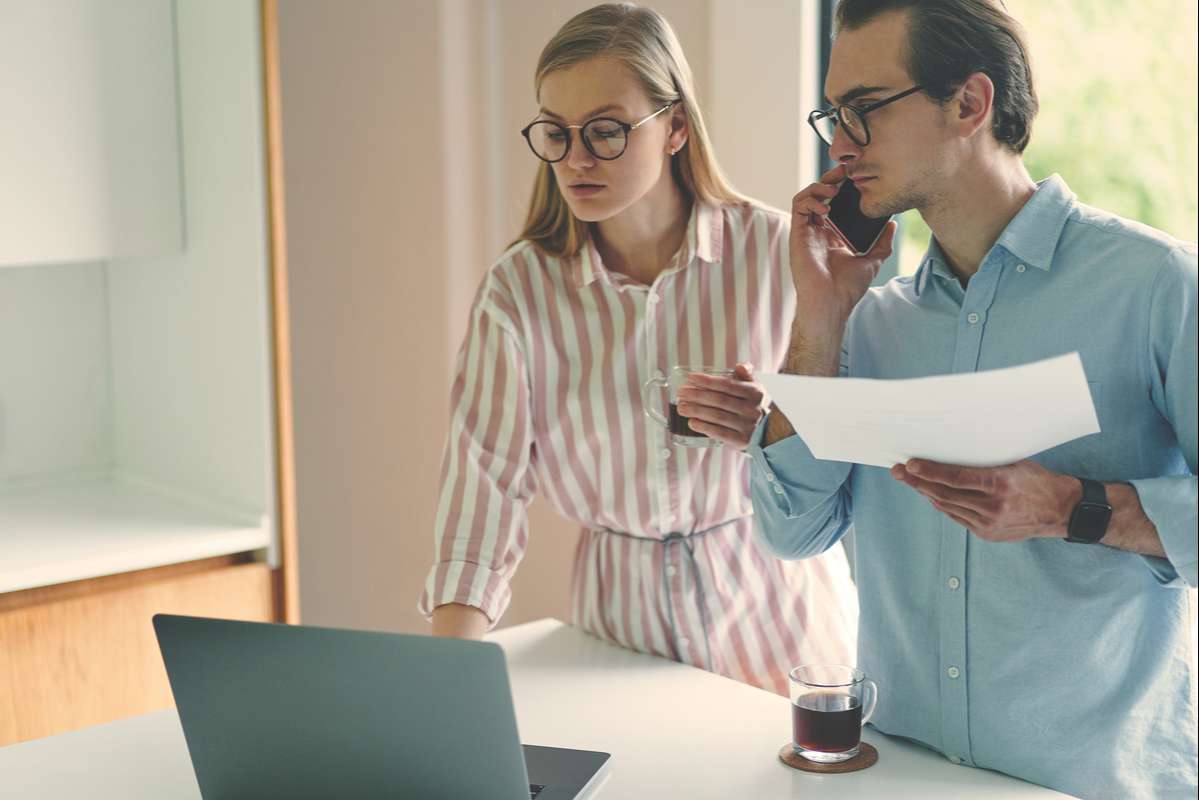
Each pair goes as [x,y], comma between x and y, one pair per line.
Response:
[855,126]
[605,138]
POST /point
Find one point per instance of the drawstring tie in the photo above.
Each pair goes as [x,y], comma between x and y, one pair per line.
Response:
[687,542]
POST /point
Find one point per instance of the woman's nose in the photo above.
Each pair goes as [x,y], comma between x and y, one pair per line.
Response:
[579,156]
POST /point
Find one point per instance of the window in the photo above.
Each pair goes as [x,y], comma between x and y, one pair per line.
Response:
[1116,81]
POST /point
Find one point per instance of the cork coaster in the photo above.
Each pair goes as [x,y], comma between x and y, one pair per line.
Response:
[867,757]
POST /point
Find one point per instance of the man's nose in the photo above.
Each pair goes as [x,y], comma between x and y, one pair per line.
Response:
[843,150]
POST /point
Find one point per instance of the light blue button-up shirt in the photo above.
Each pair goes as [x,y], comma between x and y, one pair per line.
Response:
[1068,665]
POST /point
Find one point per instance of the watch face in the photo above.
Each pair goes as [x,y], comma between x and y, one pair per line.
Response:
[1089,520]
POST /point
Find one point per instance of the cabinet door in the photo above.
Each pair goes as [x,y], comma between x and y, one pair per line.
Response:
[89,148]
[84,653]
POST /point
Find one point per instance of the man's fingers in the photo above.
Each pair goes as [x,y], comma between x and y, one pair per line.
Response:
[813,193]
[882,248]
[948,474]
[808,206]
[834,175]
[977,502]
[967,521]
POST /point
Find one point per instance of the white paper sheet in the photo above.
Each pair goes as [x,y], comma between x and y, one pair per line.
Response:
[980,419]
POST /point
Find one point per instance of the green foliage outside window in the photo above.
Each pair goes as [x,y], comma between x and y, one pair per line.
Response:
[1116,81]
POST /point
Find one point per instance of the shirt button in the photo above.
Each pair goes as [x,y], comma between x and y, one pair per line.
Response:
[954,583]
[665,453]
[1020,268]
[953,672]
[670,572]
[770,477]
[973,318]
[778,489]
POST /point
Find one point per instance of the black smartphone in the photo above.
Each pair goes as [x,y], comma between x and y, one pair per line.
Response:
[859,231]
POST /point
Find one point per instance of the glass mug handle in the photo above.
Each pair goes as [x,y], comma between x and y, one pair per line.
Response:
[651,410]
[869,690]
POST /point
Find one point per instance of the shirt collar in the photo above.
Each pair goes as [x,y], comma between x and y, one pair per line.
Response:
[704,240]
[1031,236]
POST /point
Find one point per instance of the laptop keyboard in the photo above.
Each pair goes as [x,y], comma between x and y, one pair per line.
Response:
[534,790]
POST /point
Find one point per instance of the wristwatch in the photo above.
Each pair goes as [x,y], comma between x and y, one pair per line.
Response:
[1089,519]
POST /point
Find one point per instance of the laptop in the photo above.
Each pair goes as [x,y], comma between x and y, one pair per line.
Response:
[304,712]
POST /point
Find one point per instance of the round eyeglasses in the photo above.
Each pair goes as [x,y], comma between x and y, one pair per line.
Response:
[604,137]
[851,118]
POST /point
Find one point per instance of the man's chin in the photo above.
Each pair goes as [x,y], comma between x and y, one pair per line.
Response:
[882,207]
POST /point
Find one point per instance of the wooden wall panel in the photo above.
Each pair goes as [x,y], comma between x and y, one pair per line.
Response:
[86,657]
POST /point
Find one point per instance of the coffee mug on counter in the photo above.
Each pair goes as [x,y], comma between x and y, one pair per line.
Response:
[829,705]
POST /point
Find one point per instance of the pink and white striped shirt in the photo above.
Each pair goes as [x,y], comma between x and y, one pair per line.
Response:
[547,396]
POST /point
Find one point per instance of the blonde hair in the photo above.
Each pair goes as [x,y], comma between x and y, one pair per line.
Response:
[643,41]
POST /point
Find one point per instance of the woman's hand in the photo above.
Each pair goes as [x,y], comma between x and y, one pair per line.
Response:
[459,621]
[726,409]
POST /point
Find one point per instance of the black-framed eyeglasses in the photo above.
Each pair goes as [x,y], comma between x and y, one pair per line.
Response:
[604,137]
[851,118]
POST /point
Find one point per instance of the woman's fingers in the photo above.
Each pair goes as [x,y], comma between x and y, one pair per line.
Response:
[728,436]
[743,419]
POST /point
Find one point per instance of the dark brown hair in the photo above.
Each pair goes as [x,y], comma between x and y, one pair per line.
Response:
[949,40]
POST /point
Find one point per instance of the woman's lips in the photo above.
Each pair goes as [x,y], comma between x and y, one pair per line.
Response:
[585,189]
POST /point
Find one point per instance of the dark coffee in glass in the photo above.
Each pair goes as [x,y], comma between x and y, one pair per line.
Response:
[678,423]
[829,705]
[827,722]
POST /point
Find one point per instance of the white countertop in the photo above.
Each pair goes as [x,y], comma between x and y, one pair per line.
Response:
[673,731]
[88,528]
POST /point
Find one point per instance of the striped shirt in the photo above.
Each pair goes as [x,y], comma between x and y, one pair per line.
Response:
[547,397]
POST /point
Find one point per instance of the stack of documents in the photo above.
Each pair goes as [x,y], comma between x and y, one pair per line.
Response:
[978,419]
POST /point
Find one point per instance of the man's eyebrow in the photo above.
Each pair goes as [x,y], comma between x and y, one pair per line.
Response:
[855,93]
[590,114]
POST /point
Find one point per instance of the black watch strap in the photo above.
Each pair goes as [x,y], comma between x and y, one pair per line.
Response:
[1090,518]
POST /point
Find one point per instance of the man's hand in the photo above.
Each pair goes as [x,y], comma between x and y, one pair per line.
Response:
[1000,504]
[727,409]
[829,281]
[829,278]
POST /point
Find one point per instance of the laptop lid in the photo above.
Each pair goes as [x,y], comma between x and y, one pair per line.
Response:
[305,712]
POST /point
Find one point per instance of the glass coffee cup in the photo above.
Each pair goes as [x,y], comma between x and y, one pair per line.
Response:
[676,423]
[829,705]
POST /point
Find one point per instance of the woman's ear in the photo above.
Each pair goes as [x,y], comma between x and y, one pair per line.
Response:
[679,129]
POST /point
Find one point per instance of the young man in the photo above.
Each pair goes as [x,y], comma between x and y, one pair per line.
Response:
[1010,618]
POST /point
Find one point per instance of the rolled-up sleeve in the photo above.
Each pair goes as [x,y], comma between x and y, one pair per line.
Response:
[802,506]
[487,478]
[1170,502]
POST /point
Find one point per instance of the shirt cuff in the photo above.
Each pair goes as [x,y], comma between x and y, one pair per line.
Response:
[762,471]
[1170,504]
[799,500]
[468,584]
[788,472]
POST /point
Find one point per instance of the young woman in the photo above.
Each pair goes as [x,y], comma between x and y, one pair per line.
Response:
[637,256]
